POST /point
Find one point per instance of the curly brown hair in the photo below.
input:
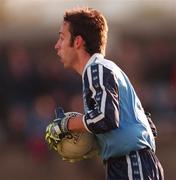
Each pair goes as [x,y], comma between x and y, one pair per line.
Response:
[91,25]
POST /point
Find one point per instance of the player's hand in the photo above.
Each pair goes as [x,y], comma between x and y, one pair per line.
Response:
[51,141]
[58,129]
[53,135]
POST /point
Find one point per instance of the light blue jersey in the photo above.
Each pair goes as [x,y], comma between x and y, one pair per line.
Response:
[113,112]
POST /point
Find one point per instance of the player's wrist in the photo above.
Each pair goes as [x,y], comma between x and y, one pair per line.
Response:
[63,125]
[61,121]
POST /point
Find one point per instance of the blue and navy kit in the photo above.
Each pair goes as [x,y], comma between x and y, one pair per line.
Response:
[113,111]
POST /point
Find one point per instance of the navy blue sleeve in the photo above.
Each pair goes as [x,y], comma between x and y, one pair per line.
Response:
[101,99]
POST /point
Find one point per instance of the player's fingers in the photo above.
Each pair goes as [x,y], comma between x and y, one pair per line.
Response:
[48,128]
[55,146]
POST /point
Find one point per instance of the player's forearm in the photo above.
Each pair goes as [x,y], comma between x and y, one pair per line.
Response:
[76,124]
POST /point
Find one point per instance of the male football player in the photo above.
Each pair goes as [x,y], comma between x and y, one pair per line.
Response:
[112,110]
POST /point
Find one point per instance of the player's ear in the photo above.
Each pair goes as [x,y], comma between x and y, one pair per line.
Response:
[78,42]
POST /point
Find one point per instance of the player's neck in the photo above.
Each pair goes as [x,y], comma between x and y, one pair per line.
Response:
[82,61]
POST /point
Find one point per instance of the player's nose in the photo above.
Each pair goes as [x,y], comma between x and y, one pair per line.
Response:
[57,45]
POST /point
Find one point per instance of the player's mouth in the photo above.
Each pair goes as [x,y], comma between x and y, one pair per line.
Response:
[59,55]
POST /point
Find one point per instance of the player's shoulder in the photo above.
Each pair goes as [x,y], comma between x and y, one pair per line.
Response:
[107,65]
[98,63]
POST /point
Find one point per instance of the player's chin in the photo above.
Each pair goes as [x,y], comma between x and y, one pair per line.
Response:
[64,63]
[67,66]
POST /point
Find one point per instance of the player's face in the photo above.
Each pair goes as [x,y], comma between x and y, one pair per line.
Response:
[65,51]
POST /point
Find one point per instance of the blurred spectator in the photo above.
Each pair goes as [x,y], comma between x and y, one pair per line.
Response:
[39,117]
[17,118]
[158,61]
[19,77]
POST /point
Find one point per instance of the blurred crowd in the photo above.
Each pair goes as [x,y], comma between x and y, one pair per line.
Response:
[33,82]
[151,65]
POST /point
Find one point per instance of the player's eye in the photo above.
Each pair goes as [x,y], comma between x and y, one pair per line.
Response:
[61,37]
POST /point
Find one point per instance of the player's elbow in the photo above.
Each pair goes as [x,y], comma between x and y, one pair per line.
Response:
[102,126]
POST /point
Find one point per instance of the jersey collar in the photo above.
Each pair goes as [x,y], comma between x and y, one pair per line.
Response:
[91,60]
